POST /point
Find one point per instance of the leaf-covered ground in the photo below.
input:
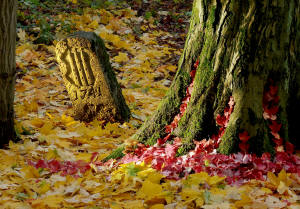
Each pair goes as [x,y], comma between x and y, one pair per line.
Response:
[57,162]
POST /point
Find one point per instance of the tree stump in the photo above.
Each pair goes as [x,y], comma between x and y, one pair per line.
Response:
[89,79]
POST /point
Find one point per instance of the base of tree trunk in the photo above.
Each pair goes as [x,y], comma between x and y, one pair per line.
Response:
[7,132]
[243,53]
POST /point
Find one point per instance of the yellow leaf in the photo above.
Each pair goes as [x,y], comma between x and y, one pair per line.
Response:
[31,106]
[52,154]
[282,187]
[151,175]
[246,200]
[114,206]
[37,122]
[266,190]
[105,16]
[155,177]
[158,206]
[148,189]
[49,115]
[30,172]
[273,179]
[136,204]
[284,177]
[190,194]
[47,128]
[197,178]
[122,57]
[215,180]
[172,68]
[22,48]
[93,24]
[52,201]
[199,202]
[44,187]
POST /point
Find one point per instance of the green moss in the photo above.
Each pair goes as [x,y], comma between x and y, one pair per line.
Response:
[228,144]
[267,145]
[242,38]
[211,17]
[184,149]
[195,12]
[116,154]
[153,139]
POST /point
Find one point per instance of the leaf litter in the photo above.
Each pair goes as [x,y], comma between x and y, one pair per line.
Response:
[58,162]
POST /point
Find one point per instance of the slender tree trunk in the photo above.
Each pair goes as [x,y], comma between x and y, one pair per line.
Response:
[242,47]
[7,69]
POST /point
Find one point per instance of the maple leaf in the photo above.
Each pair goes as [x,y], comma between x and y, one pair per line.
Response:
[220,120]
[275,127]
[278,141]
[245,200]
[272,111]
[193,73]
[273,90]
[122,57]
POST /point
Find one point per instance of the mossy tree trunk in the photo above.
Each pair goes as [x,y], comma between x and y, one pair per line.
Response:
[7,69]
[241,46]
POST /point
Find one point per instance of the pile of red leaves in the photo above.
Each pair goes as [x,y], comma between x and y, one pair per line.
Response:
[237,168]
[65,167]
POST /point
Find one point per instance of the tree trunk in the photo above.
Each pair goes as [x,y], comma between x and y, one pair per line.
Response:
[243,48]
[7,69]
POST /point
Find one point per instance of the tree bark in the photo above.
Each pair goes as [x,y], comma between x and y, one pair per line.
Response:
[242,48]
[7,69]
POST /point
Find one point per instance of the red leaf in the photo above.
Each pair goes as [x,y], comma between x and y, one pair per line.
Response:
[196,64]
[244,136]
[289,147]
[168,129]
[278,142]
[266,156]
[276,100]
[183,108]
[244,147]
[267,98]
[275,127]
[41,164]
[170,150]
[272,111]
[54,166]
[193,73]
[161,141]
[276,135]
[220,120]
[273,90]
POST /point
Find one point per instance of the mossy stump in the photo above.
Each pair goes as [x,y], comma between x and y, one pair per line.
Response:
[89,79]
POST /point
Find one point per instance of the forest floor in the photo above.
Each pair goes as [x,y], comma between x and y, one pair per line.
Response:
[56,164]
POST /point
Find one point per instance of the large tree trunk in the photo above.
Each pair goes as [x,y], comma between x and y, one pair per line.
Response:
[243,47]
[7,69]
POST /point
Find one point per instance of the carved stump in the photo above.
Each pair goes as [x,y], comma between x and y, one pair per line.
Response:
[89,79]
